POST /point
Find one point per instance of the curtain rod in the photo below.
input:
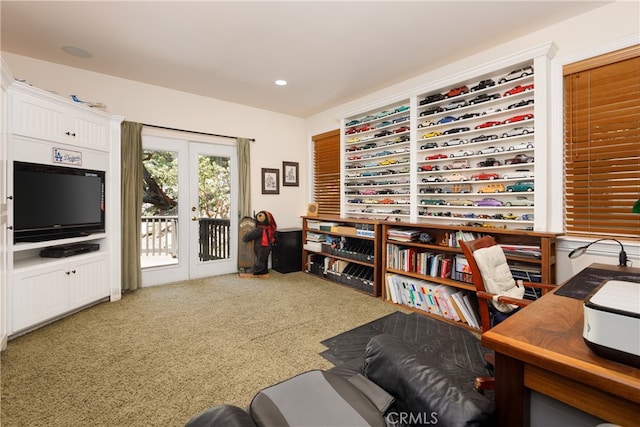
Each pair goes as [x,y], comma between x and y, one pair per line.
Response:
[196,132]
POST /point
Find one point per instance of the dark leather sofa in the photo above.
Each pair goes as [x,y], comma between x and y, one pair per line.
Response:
[393,384]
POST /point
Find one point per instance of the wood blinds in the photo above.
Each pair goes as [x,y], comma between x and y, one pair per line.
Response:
[602,144]
[326,172]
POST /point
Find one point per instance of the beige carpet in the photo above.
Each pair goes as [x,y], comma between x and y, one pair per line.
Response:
[163,354]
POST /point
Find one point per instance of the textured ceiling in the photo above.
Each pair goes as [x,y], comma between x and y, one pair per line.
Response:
[330,52]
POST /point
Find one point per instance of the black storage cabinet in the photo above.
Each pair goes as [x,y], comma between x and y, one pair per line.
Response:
[286,254]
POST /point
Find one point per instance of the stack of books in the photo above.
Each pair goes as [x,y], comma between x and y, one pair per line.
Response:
[403,235]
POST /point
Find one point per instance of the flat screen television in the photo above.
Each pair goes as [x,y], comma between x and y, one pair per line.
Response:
[56,202]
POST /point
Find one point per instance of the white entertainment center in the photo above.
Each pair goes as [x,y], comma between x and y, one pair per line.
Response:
[47,129]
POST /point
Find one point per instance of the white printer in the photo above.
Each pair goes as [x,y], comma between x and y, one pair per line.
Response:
[612,321]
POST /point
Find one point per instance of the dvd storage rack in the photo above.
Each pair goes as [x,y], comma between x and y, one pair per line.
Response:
[424,270]
[344,251]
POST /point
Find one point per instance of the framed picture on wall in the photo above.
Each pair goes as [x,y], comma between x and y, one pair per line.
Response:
[290,174]
[270,181]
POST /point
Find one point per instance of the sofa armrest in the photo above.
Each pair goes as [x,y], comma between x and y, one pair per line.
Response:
[426,388]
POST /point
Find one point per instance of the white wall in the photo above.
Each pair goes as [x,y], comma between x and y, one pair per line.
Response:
[279,137]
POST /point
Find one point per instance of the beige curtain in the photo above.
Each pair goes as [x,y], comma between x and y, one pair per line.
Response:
[131,141]
[244,174]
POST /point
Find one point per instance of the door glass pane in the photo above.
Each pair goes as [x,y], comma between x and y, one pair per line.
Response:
[159,228]
[214,205]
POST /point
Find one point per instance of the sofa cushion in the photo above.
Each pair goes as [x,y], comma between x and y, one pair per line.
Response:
[427,390]
[319,398]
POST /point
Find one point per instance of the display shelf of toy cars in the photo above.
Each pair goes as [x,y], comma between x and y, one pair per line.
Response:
[377,163]
[471,136]
[421,261]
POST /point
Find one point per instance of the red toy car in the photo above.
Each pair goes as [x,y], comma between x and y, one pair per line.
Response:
[436,156]
[518,89]
[518,118]
[488,124]
[484,176]
[456,91]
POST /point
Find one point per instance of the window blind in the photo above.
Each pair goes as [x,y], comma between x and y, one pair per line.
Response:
[326,174]
[602,145]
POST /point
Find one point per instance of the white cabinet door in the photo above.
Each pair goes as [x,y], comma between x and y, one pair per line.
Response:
[37,296]
[42,119]
[88,282]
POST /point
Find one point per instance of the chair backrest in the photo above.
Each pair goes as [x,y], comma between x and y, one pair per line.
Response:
[490,273]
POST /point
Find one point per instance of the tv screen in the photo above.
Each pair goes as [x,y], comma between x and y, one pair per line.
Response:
[54,202]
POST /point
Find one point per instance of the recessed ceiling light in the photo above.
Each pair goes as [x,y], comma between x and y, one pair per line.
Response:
[281,82]
[76,51]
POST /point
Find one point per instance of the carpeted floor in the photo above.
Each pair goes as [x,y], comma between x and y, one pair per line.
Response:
[163,354]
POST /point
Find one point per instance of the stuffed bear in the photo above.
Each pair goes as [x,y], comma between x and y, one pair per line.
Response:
[263,237]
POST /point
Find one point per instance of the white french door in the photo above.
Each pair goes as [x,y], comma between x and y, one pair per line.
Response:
[189,225]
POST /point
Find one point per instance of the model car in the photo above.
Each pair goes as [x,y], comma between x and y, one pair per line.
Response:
[518,173]
[525,217]
[488,201]
[484,176]
[518,89]
[520,158]
[510,216]
[491,188]
[401,119]
[431,134]
[353,140]
[459,202]
[387,162]
[483,138]
[354,201]
[371,173]
[427,190]
[456,91]
[367,118]
[520,201]
[432,178]
[436,156]
[401,129]
[454,177]
[383,133]
[491,110]
[521,186]
[446,119]
[384,113]
[455,130]
[458,164]
[488,162]
[459,103]
[385,191]
[432,202]
[488,124]
[368,192]
[484,97]
[468,116]
[483,84]
[403,191]
[352,123]
[518,131]
[370,164]
[459,188]
[429,145]
[520,146]
[454,141]
[366,138]
[387,201]
[516,74]
[351,131]
[402,108]
[428,168]
[432,98]
[401,150]
[369,145]
[400,139]
[490,150]
[522,103]
[518,118]
[426,124]
[383,124]
[354,158]
[461,153]
[429,111]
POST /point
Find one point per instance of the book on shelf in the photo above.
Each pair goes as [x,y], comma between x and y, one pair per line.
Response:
[471,302]
[443,295]
[403,235]
[470,316]
[315,237]
[530,251]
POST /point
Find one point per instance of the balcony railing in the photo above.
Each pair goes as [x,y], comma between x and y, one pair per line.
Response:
[160,237]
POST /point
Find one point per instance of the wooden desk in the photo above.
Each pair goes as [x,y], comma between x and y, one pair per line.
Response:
[541,348]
